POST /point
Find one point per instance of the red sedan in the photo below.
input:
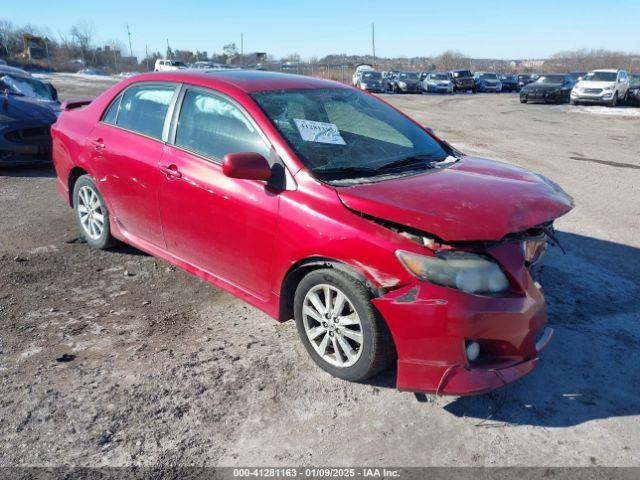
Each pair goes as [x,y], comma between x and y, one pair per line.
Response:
[315,201]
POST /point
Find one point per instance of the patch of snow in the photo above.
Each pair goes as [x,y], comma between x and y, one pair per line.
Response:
[600,110]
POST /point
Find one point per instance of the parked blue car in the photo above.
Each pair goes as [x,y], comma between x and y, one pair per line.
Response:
[487,82]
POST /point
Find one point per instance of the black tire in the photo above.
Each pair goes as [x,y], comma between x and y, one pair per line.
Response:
[614,100]
[474,90]
[104,240]
[378,350]
[574,102]
[523,100]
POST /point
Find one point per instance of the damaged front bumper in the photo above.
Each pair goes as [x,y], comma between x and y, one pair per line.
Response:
[431,326]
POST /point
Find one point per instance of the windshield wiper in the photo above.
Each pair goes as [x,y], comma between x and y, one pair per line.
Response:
[416,160]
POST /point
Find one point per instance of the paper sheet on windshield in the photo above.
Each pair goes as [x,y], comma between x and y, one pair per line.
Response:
[319,132]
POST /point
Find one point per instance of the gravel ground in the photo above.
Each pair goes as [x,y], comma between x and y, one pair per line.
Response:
[116,358]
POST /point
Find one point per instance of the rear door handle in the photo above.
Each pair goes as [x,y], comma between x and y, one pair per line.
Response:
[171,171]
[98,143]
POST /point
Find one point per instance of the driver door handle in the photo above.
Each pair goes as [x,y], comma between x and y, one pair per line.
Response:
[171,171]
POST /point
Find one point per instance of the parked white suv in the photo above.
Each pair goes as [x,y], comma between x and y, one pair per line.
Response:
[601,86]
[163,65]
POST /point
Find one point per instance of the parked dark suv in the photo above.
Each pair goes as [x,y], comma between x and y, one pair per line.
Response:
[462,81]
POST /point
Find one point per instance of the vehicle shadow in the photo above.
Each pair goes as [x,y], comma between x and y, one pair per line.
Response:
[590,369]
[126,249]
[41,171]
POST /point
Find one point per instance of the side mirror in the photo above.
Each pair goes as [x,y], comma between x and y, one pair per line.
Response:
[246,165]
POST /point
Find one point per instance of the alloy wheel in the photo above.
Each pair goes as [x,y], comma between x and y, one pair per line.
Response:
[332,325]
[91,212]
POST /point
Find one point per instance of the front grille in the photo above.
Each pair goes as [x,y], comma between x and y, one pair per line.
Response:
[594,91]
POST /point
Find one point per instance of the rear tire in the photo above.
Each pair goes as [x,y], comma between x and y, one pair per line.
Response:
[92,214]
[355,360]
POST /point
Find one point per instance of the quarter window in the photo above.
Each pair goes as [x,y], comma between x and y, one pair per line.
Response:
[212,126]
[111,114]
[143,109]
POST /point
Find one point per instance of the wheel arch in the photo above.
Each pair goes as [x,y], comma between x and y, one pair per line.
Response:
[74,174]
[302,267]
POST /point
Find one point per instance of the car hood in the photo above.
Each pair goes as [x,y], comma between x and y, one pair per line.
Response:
[473,200]
[23,108]
[595,84]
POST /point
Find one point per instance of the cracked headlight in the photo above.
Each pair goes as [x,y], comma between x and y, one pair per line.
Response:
[464,271]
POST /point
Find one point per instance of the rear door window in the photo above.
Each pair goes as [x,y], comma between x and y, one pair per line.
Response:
[143,108]
[213,126]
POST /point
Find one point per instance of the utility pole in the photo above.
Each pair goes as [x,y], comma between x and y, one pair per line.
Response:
[241,48]
[169,52]
[373,43]
[146,55]
[129,34]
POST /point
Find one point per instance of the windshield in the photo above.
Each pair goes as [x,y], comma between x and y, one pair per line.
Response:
[600,77]
[462,73]
[439,76]
[409,76]
[551,79]
[524,77]
[342,133]
[509,78]
[372,75]
[29,87]
[634,79]
[489,76]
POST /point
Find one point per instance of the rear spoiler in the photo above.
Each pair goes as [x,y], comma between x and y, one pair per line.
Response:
[74,103]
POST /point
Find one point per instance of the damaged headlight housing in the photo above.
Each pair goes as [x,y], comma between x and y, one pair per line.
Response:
[464,271]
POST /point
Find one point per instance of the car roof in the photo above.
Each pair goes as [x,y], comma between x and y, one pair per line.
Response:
[247,81]
[606,70]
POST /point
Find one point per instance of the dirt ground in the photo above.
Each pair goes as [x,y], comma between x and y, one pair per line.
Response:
[170,370]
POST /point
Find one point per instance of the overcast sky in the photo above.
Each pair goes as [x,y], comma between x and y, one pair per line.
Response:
[495,29]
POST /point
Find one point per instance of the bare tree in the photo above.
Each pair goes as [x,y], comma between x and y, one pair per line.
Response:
[451,60]
[82,35]
[585,60]
[7,34]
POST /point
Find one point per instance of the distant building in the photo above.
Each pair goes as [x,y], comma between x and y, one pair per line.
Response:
[532,64]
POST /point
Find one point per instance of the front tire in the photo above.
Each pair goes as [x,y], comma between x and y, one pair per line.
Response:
[339,327]
[92,214]
[614,100]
